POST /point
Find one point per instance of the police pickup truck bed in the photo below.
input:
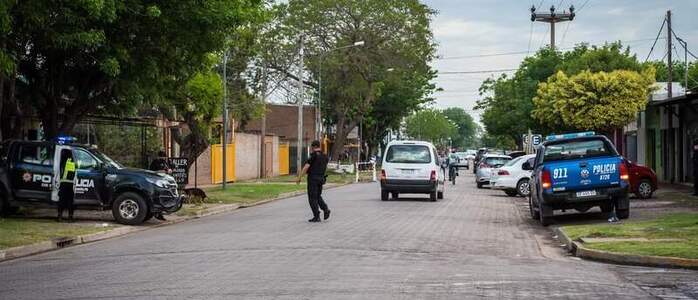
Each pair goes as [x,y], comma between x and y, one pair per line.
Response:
[27,178]
[578,171]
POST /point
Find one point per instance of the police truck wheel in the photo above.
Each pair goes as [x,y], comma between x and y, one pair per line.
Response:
[384,195]
[532,210]
[129,209]
[479,185]
[544,220]
[644,189]
[4,206]
[148,216]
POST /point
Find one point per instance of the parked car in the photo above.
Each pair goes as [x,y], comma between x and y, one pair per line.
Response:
[512,178]
[28,177]
[411,167]
[462,161]
[643,180]
[578,171]
[488,163]
[515,154]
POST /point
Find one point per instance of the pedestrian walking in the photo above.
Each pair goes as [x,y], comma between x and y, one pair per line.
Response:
[695,168]
[315,168]
[162,165]
[66,194]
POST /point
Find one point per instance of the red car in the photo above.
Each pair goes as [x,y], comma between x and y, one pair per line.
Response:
[643,181]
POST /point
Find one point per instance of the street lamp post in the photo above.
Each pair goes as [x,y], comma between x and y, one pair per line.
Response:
[225,116]
[318,134]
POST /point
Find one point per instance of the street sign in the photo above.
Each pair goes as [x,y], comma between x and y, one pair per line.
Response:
[180,170]
[536,139]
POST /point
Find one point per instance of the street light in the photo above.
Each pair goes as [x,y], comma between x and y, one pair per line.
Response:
[319,102]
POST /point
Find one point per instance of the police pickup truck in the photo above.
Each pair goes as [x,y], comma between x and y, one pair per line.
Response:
[28,178]
[577,171]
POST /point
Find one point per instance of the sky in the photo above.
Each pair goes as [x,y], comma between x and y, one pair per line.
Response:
[468,32]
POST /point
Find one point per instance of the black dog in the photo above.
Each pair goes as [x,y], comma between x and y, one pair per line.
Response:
[195,193]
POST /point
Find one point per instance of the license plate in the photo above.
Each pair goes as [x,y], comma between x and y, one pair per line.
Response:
[586,193]
[407,172]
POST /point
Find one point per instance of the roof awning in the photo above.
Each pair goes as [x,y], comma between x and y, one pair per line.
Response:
[691,98]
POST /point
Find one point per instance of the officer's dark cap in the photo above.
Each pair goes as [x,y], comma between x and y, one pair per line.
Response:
[315,144]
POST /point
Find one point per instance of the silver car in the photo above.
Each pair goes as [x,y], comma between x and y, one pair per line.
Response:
[488,164]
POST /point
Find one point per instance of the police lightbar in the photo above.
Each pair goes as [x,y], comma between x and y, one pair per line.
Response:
[569,135]
[66,139]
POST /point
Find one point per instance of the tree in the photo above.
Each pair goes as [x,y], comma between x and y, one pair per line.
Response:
[593,101]
[77,58]
[679,74]
[467,128]
[508,100]
[397,101]
[396,35]
[430,125]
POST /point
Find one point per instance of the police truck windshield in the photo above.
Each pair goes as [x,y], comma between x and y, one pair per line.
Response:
[408,154]
[107,160]
[575,149]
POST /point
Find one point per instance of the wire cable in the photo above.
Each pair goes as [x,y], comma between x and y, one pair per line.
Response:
[477,71]
[655,40]
[583,6]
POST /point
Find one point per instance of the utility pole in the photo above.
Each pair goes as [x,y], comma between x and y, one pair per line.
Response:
[299,156]
[552,18]
[225,116]
[263,160]
[670,94]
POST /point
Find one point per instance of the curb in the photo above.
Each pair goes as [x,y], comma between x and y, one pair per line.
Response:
[579,250]
[63,242]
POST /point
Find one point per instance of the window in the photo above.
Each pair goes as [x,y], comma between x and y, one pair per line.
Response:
[513,161]
[36,154]
[576,149]
[496,162]
[408,154]
[84,160]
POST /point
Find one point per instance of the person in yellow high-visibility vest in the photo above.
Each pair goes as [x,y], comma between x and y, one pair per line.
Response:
[66,193]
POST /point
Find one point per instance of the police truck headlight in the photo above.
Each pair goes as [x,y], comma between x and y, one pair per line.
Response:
[158,182]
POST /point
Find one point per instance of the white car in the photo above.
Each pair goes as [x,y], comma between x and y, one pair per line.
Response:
[488,163]
[512,178]
[411,167]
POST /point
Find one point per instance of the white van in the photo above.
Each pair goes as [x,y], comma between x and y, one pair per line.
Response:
[411,167]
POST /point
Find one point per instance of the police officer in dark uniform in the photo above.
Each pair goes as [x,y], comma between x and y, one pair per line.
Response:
[695,168]
[66,194]
[315,167]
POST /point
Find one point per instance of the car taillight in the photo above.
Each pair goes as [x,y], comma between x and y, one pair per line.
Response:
[433,175]
[503,172]
[546,183]
[624,175]
[383,177]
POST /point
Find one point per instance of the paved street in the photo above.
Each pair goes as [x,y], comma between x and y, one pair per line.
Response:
[475,243]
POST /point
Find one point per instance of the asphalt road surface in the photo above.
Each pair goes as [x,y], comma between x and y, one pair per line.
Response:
[475,243]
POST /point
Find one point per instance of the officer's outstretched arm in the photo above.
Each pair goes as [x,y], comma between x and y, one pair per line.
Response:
[304,171]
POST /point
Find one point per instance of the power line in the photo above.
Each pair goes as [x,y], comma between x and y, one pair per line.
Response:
[655,40]
[530,37]
[583,6]
[477,72]
[686,47]
[525,52]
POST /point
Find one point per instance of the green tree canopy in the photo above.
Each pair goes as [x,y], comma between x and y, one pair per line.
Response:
[508,100]
[75,58]
[592,101]
[430,125]
[466,135]
[396,35]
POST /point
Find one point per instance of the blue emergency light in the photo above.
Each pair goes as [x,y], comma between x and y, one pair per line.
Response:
[569,135]
[66,139]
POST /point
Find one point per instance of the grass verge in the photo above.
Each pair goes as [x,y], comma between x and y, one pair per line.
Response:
[682,226]
[18,232]
[331,178]
[246,193]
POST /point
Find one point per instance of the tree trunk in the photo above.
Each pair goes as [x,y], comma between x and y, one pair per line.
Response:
[194,143]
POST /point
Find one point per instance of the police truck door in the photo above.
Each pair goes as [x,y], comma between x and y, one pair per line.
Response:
[89,178]
[32,171]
